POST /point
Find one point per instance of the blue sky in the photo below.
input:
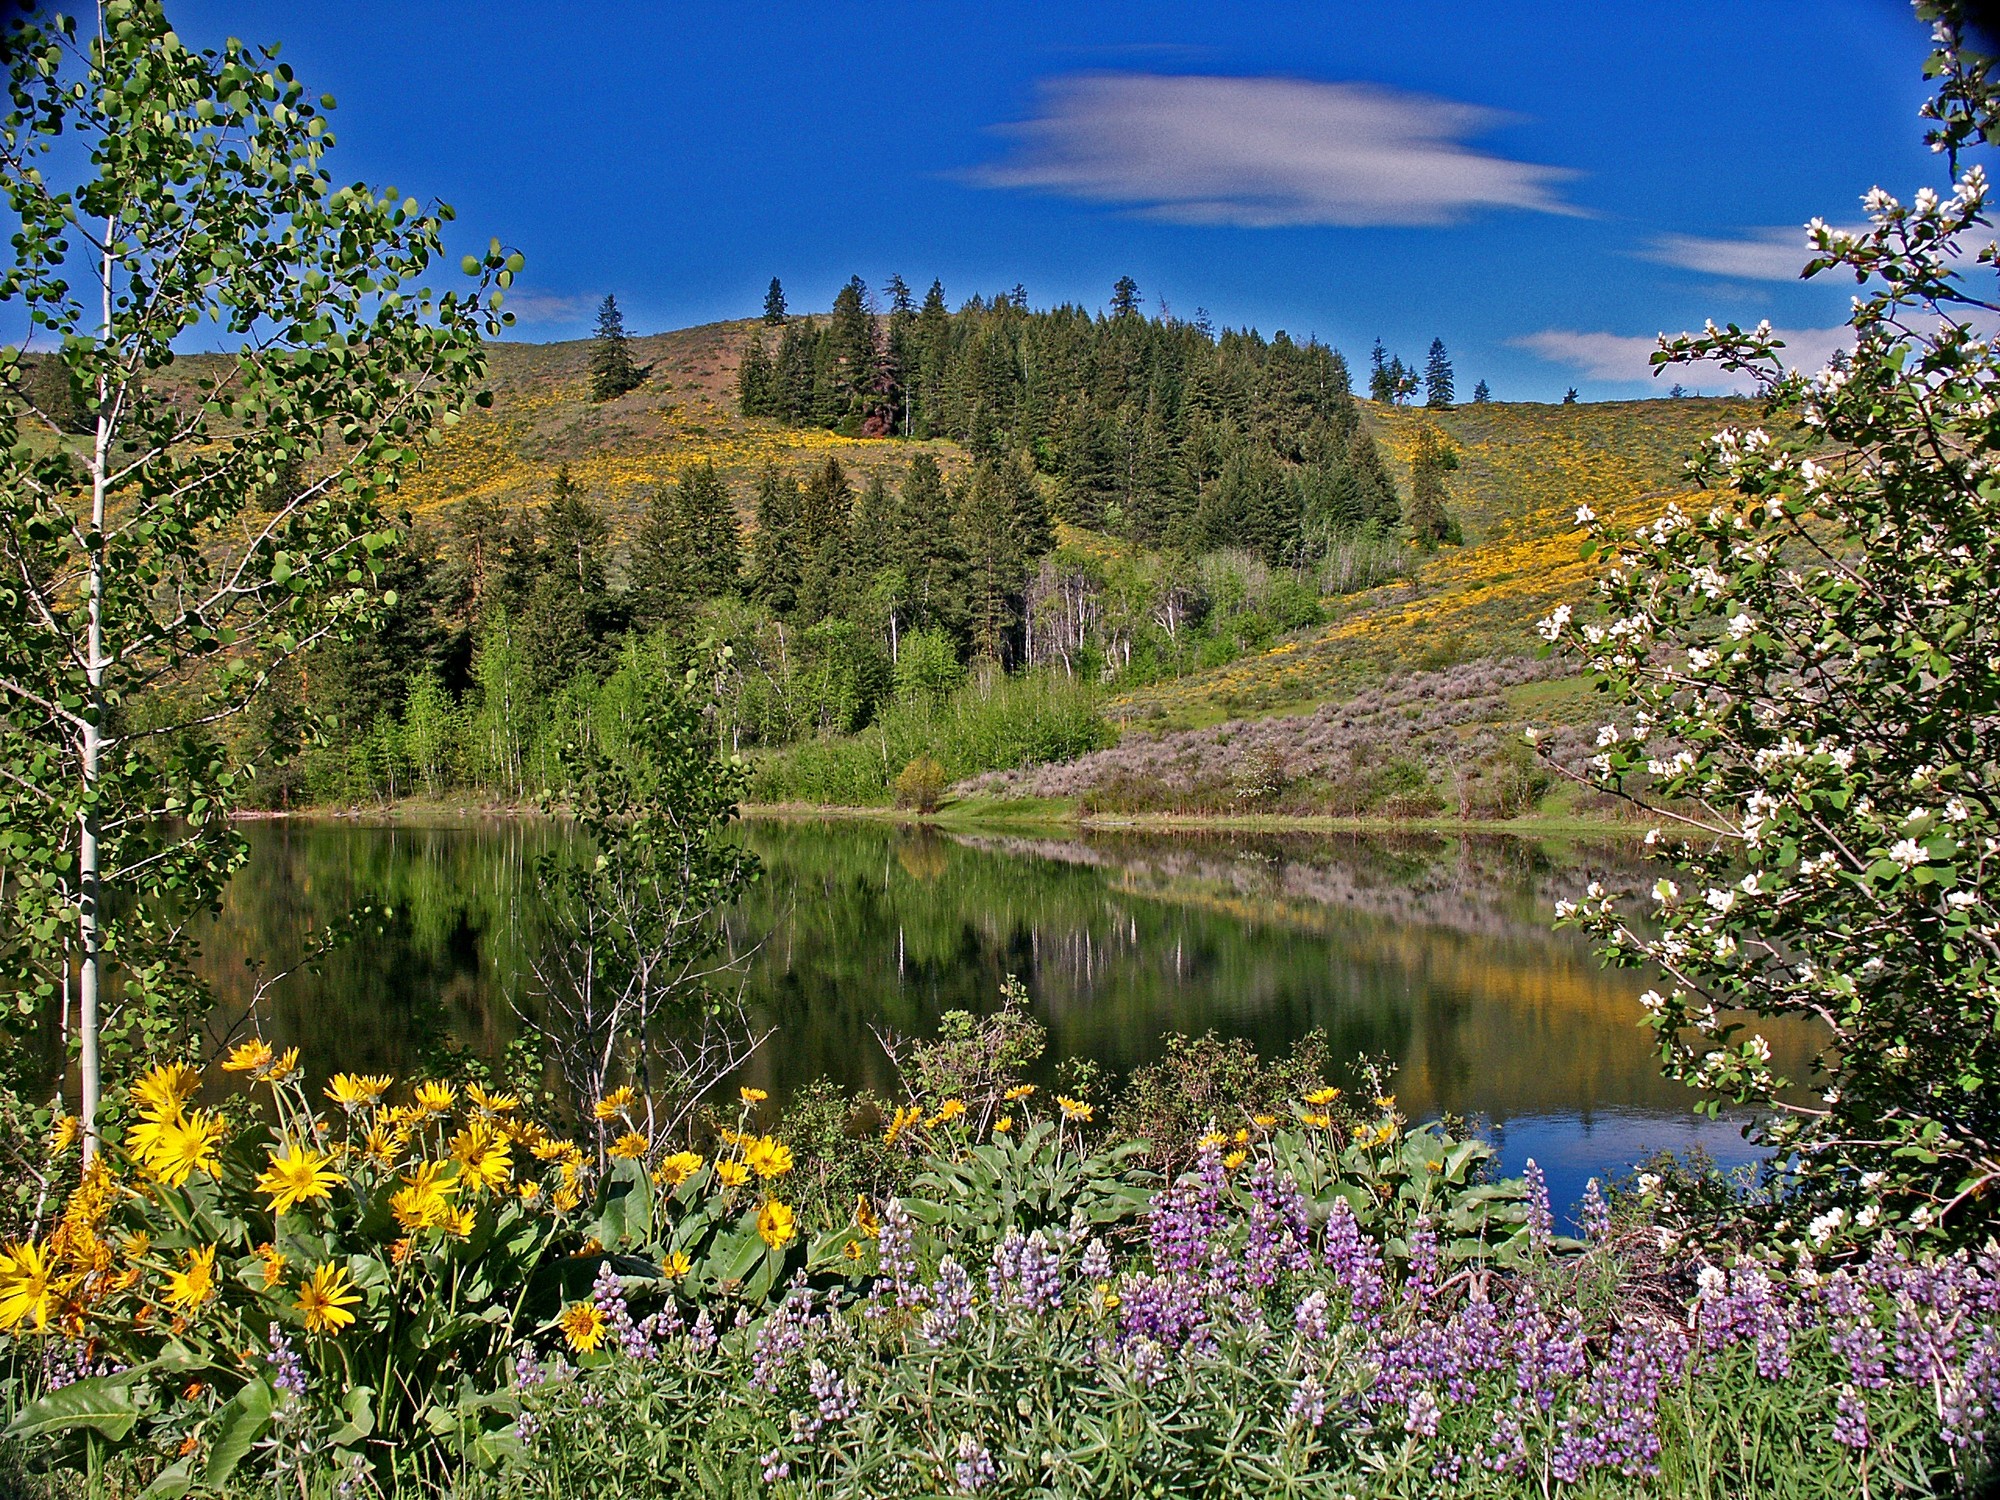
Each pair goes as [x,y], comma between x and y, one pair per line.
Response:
[1544,186]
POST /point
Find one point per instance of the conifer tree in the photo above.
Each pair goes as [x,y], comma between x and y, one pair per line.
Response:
[1381,381]
[754,394]
[688,549]
[612,370]
[1438,391]
[1431,521]
[874,520]
[1480,395]
[1125,298]
[1569,396]
[774,304]
[776,560]
[995,570]
[925,545]
[826,516]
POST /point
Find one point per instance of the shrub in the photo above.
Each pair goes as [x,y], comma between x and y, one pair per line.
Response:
[920,785]
[1802,674]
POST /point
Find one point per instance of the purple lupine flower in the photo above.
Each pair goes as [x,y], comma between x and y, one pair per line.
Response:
[1095,1267]
[1353,1259]
[1026,1272]
[1421,1420]
[1596,1213]
[1310,1318]
[1149,1361]
[1163,1310]
[1615,1423]
[1424,1263]
[702,1336]
[526,1426]
[288,1371]
[895,1244]
[1850,1419]
[1541,1221]
[1307,1408]
[782,1335]
[527,1370]
[1973,1393]
[974,1470]
[1278,1228]
[1743,1306]
[775,1467]
[1853,1334]
[608,1293]
[1507,1444]
[1545,1356]
[951,1303]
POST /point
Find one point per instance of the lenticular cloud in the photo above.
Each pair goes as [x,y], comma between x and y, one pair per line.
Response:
[1263,152]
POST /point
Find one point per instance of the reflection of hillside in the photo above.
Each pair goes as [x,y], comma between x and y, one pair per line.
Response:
[1433,951]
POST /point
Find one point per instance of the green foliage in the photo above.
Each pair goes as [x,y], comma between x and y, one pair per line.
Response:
[1212,1084]
[613,371]
[920,785]
[205,537]
[1801,675]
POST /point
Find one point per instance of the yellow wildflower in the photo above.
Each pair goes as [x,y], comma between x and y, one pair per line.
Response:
[459,1223]
[252,1056]
[1075,1109]
[1235,1159]
[492,1104]
[752,1096]
[630,1146]
[172,1148]
[136,1245]
[1019,1092]
[433,1097]
[164,1089]
[678,1168]
[1386,1101]
[64,1134]
[776,1224]
[530,1191]
[1319,1121]
[274,1261]
[194,1283]
[286,1065]
[484,1157]
[1263,1122]
[1004,1124]
[298,1175]
[902,1120]
[676,1264]
[768,1158]
[324,1299]
[424,1199]
[733,1173]
[615,1103]
[30,1289]
[864,1215]
[853,1250]
[381,1145]
[583,1325]
[1213,1139]
[548,1149]
[948,1111]
[1320,1098]
[565,1199]
[352,1090]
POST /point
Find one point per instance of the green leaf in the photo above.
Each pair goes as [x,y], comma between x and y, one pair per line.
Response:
[239,1424]
[103,1403]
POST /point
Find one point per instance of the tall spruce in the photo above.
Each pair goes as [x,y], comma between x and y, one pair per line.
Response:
[688,549]
[774,304]
[1431,520]
[926,546]
[1480,395]
[776,559]
[1438,392]
[613,371]
[826,517]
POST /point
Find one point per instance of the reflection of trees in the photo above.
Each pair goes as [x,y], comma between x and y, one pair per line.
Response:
[1435,951]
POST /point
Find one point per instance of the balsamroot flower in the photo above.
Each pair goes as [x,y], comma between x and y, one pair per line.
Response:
[767,1158]
[776,1224]
[678,1168]
[583,1325]
[194,1283]
[299,1174]
[326,1298]
[172,1149]
[30,1288]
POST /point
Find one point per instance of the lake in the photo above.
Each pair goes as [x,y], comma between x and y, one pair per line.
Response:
[1434,952]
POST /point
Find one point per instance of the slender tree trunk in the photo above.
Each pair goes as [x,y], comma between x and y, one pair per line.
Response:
[90,937]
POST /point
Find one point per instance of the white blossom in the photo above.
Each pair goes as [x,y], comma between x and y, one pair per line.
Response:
[1907,852]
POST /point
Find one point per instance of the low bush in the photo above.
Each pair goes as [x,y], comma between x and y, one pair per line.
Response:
[920,785]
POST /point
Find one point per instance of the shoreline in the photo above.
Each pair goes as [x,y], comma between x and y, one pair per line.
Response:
[1023,813]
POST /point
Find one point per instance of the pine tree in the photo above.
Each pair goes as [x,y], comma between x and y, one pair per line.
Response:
[776,558]
[874,521]
[1438,392]
[754,392]
[774,305]
[1125,298]
[826,517]
[995,569]
[1569,396]
[1431,521]
[1480,395]
[1381,381]
[715,535]
[612,370]
[926,546]
[688,549]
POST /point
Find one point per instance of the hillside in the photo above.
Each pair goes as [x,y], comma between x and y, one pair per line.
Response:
[685,413]
[1524,470]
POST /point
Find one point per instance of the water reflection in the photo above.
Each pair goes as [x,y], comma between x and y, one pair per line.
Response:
[1435,952]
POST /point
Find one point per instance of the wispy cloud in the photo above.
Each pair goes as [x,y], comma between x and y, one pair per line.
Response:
[1773,254]
[1628,357]
[548,307]
[1265,152]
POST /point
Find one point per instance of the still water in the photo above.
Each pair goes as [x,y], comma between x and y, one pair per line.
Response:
[1434,952]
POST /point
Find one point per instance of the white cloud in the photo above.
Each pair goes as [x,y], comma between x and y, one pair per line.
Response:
[1769,254]
[1628,357]
[548,307]
[1264,152]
